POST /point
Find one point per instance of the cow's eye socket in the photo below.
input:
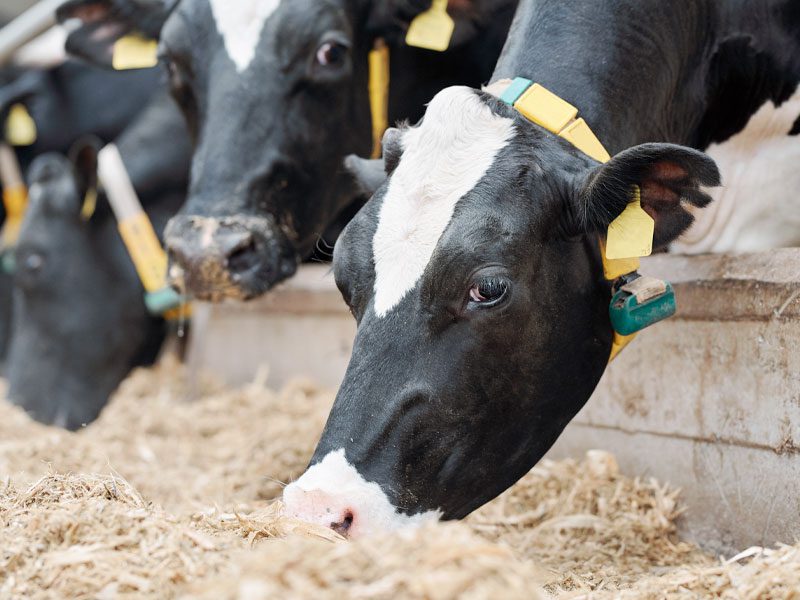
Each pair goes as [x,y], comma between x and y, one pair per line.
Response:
[488,291]
[332,54]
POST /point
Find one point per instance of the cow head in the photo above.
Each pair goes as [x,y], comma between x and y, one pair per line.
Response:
[475,277]
[80,323]
[275,93]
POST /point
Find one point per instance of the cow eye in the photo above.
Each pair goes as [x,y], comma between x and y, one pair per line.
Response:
[332,54]
[488,291]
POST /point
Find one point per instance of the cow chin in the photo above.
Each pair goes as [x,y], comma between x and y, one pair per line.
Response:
[332,493]
[60,407]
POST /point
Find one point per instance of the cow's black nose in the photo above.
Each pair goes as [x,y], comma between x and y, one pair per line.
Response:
[239,250]
[213,258]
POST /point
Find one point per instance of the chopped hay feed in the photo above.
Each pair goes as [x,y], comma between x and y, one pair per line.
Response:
[163,498]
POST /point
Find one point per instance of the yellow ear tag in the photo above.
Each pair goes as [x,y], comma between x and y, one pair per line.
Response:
[20,127]
[15,200]
[89,204]
[134,52]
[379,93]
[432,29]
[631,233]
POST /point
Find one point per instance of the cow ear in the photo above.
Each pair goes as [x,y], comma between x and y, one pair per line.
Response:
[369,175]
[102,22]
[19,91]
[669,177]
[83,156]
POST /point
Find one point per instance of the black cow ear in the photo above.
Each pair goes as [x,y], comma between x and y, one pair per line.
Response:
[19,91]
[669,178]
[103,22]
[368,174]
[83,156]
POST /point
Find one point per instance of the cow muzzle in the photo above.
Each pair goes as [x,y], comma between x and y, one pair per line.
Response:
[332,493]
[222,258]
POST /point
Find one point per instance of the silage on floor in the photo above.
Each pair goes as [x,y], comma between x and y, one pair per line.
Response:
[162,498]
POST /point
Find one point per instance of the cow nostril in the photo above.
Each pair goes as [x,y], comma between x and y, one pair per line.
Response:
[343,526]
[243,258]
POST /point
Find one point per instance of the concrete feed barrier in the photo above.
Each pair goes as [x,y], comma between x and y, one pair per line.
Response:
[709,400]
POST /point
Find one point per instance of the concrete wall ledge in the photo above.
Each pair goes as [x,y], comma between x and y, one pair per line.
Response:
[723,287]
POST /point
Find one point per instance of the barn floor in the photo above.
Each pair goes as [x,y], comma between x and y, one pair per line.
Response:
[164,498]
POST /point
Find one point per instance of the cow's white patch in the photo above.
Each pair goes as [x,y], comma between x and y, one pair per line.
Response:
[443,159]
[240,24]
[332,488]
[758,206]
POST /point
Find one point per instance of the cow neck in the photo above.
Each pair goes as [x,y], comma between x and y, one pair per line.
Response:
[633,83]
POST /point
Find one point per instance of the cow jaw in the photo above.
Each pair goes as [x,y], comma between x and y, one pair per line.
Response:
[334,494]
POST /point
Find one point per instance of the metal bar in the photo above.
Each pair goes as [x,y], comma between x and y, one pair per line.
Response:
[30,24]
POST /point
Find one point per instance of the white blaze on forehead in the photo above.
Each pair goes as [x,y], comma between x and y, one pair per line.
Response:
[443,159]
[240,23]
[332,488]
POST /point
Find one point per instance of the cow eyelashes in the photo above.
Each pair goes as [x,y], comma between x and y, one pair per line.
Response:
[488,291]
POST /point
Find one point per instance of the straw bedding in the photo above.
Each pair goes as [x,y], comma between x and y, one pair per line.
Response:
[164,498]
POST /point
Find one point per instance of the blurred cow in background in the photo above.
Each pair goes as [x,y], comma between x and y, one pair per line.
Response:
[80,322]
[66,100]
[276,95]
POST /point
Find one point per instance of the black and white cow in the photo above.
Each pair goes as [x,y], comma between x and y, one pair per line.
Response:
[80,322]
[474,272]
[66,101]
[276,95]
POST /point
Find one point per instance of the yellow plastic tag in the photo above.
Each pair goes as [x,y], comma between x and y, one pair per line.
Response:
[379,93]
[183,312]
[89,204]
[432,29]
[134,52]
[618,344]
[543,107]
[15,200]
[20,126]
[583,138]
[631,233]
[145,250]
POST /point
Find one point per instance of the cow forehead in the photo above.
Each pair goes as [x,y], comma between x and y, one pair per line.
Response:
[443,160]
[240,24]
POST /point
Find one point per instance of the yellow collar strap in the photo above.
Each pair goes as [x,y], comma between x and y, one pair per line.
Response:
[15,195]
[630,235]
[138,235]
[379,93]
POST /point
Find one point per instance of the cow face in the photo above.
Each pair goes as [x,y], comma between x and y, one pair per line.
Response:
[80,323]
[475,277]
[285,96]
[275,93]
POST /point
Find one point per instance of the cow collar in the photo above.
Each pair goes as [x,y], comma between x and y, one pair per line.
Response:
[379,93]
[636,302]
[139,237]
